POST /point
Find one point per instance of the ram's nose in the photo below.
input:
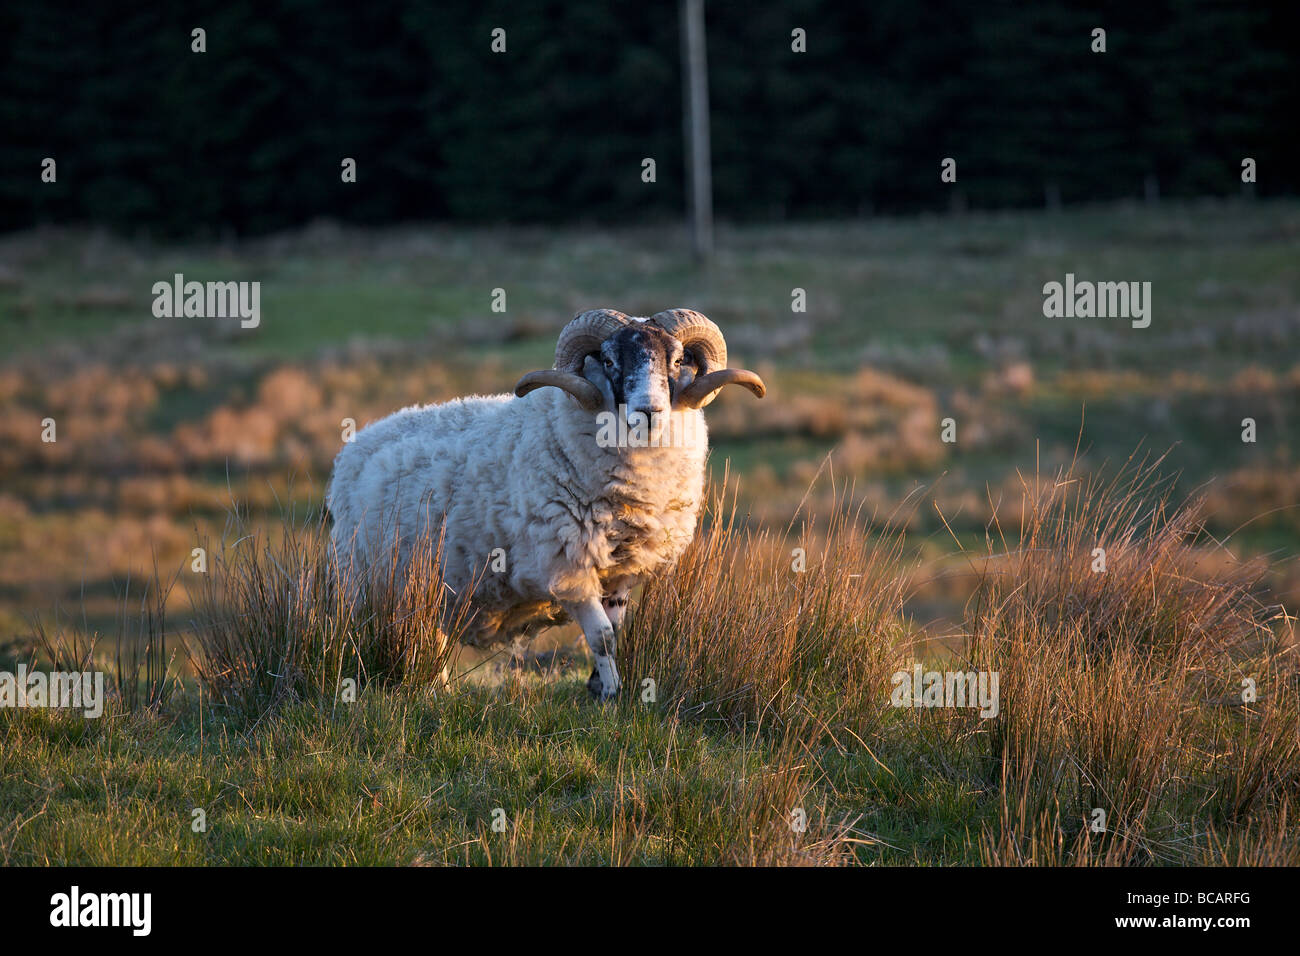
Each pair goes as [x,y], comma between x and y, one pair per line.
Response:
[649,411]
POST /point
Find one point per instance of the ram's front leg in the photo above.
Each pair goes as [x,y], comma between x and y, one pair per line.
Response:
[615,604]
[596,627]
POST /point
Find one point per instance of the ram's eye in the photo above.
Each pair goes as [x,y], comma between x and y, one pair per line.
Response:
[677,363]
[609,363]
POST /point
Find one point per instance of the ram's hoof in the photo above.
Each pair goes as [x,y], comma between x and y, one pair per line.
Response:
[596,688]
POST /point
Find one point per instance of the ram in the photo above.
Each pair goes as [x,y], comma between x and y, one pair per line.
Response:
[553,503]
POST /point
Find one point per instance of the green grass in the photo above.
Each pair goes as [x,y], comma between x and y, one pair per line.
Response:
[400,777]
[907,282]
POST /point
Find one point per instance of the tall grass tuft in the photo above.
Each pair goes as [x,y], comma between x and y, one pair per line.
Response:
[754,622]
[1105,670]
[278,621]
[1110,561]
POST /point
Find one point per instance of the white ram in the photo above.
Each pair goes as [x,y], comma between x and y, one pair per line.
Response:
[552,503]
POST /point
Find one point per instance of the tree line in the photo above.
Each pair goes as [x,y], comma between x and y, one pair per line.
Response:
[853,118]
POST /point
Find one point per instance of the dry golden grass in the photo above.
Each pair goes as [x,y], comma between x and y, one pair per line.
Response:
[751,623]
[1112,681]
[284,621]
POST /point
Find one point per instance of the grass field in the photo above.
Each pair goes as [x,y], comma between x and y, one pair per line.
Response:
[1120,691]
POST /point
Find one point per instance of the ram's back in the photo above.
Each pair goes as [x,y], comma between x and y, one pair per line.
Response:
[394,481]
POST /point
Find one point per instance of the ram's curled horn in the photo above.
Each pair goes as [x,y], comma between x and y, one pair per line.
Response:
[701,391]
[584,335]
[578,339]
[588,395]
[699,334]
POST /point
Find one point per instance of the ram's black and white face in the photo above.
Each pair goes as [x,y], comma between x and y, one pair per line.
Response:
[643,365]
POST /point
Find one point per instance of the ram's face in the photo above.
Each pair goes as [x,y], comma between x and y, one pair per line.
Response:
[639,368]
[642,364]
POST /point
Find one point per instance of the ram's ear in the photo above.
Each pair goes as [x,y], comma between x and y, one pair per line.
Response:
[683,381]
[692,360]
[594,372]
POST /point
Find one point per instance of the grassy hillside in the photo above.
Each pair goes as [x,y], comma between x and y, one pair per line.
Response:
[1121,691]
